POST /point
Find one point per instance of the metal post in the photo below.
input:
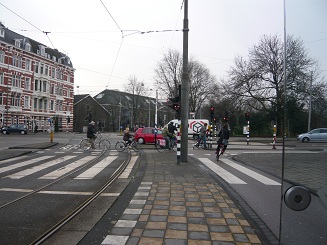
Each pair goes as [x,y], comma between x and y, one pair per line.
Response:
[178,152]
[156,116]
[310,103]
[185,88]
[274,139]
[248,136]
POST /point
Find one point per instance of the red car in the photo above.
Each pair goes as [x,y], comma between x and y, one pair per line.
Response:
[146,135]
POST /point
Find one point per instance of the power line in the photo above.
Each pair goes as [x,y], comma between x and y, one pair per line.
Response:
[45,32]
[111,16]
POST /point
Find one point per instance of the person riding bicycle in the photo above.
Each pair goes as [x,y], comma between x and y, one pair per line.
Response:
[91,134]
[171,129]
[166,135]
[127,137]
[203,136]
[223,138]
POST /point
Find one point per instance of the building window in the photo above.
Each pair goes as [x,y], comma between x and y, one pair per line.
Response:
[28,83]
[2,56]
[15,100]
[52,89]
[46,70]
[40,103]
[45,105]
[1,99]
[2,32]
[36,68]
[44,86]
[1,78]
[36,85]
[17,43]
[27,64]
[16,81]
[53,73]
[51,105]
[35,103]
[26,102]
[28,47]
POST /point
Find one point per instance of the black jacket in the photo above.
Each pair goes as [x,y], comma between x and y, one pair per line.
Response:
[91,131]
[223,134]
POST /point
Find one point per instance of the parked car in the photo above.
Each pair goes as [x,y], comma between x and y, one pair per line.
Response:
[319,134]
[146,135]
[15,128]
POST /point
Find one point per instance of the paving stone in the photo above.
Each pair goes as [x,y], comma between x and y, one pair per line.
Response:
[197,235]
[154,233]
[177,226]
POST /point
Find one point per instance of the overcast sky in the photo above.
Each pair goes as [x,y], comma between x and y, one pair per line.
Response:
[105,47]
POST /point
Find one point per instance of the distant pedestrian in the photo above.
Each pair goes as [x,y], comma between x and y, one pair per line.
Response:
[203,136]
[127,137]
[36,129]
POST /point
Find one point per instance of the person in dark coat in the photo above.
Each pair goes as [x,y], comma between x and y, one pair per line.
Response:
[91,133]
[223,134]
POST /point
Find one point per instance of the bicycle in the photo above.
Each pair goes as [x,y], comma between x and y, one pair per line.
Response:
[220,152]
[199,145]
[123,145]
[161,144]
[103,144]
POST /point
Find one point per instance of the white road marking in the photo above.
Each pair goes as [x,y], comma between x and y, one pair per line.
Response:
[97,168]
[37,168]
[227,176]
[250,173]
[22,164]
[129,168]
[70,167]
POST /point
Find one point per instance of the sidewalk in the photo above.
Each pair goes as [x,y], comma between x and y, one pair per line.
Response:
[183,204]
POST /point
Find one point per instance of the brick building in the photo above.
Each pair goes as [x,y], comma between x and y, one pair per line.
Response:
[36,83]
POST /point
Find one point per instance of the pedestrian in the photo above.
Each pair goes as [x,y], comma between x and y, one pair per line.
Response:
[203,136]
[35,129]
[223,138]
[91,134]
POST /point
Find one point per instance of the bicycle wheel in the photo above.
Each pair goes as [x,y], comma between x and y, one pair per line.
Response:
[85,144]
[120,146]
[161,145]
[104,145]
[136,146]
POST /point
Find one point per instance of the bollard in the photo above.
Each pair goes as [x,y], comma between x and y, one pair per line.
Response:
[274,139]
[51,136]
[178,152]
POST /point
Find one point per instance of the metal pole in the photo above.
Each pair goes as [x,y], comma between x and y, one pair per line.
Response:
[149,114]
[185,88]
[310,103]
[156,115]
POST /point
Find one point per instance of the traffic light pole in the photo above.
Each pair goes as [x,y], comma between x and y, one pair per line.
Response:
[184,91]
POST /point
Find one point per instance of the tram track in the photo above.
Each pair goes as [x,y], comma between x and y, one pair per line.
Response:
[75,212]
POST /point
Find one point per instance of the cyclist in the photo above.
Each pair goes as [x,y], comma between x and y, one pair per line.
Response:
[91,134]
[223,138]
[127,137]
[166,136]
[171,129]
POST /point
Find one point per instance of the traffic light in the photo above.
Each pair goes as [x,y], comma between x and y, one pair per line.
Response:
[247,116]
[212,112]
[175,103]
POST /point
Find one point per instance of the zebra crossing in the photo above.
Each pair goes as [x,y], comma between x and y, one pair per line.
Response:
[50,162]
[232,178]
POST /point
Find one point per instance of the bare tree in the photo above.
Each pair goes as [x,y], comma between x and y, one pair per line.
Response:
[136,89]
[169,75]
[258,82]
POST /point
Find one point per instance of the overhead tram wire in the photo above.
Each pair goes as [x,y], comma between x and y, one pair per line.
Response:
[45,32]
[122,32]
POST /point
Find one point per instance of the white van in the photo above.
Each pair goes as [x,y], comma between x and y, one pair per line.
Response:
[194,126]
